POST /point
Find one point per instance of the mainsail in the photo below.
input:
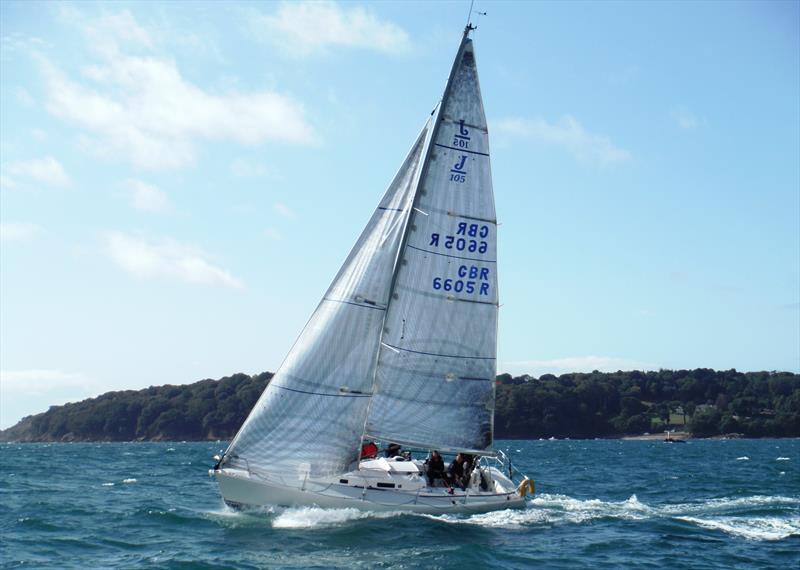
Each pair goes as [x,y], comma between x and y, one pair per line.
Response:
[402,347]
[437,362]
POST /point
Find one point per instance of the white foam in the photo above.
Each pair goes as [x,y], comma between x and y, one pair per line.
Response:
[759,528]
[561,509]
[546,509]
[224,511]
[782,459]
[578,511]
[743,458]
[130,480]
[107,485]
[553,509]
[232,518]
[726,504]
[315,517]
[509,518]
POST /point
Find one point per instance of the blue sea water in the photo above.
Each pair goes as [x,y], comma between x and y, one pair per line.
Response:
[618,504]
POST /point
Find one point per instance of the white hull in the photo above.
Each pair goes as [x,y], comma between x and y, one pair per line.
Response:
[241,489]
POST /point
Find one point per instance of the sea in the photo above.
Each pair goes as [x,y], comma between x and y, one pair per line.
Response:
[598,504]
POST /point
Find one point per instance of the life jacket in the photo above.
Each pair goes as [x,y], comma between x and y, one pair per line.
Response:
[369,450]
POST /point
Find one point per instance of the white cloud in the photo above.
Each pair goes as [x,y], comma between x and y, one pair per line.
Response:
[19,231]
[685,119]
[7,183]
[166,258]
[246,169]
[105,33]
[305,27]
[574,364]
[38,382]
[25,98]
[45,170]
[273,234]
[25,392]
[284,210]
[146,196]
[566,133]
[140,106]
[18,43]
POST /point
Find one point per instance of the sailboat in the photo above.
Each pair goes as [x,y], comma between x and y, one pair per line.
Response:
[401,349]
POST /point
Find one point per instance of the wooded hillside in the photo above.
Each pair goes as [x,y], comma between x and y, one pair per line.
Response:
[703,401]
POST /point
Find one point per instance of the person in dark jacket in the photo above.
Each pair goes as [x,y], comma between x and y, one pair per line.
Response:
[457,472]
[435,468]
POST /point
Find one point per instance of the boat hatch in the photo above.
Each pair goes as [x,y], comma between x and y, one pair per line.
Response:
[394,466]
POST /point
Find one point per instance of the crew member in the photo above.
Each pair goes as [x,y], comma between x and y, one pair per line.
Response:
[457,472]
[434,468]
[369,450]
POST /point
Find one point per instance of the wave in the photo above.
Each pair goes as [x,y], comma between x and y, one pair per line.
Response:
[759,528]
[290,517]
[732,515]
[729,515]
[314,517]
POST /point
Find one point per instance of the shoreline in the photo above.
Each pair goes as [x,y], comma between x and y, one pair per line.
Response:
[678,436]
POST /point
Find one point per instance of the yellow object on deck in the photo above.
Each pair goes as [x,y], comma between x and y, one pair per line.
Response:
[526,486]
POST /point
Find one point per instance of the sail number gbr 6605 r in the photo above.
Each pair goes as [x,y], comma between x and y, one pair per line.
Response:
[474,279]
[471,279]
[473,239]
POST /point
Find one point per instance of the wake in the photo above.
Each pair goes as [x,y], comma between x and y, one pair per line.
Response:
[741,517]
[728,515]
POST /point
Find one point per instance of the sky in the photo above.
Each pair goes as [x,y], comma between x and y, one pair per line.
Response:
[179,182]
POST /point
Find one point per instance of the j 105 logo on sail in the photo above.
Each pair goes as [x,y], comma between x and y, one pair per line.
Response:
[460,140]
[458,173]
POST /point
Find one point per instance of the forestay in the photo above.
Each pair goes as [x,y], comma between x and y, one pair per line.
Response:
[310,419]
[436,366]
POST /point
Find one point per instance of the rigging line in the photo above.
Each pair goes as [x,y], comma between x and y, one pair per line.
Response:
[469,16]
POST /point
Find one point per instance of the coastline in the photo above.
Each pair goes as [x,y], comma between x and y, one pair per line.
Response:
[677,436]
